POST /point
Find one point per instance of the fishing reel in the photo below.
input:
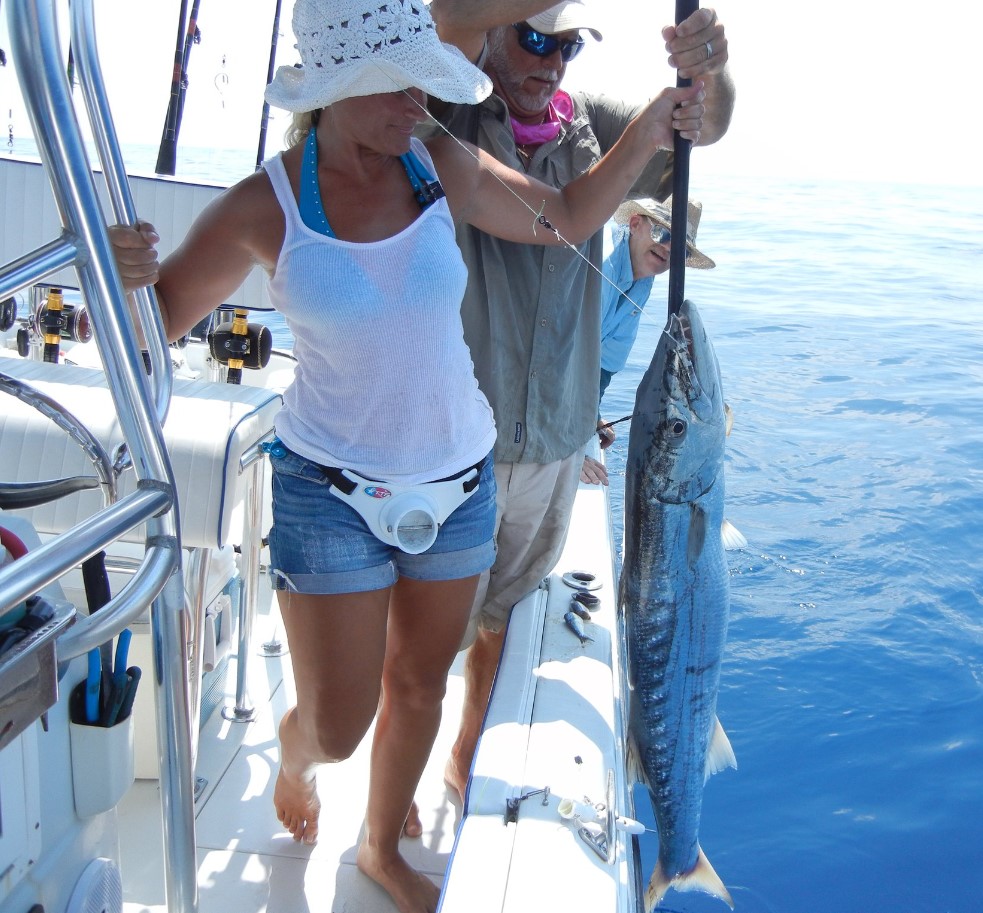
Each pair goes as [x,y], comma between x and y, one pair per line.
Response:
[52,320]
[239,344]
[69,322]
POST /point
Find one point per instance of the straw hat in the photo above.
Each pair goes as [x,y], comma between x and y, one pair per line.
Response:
[352,48]
[565,17]
[661,213]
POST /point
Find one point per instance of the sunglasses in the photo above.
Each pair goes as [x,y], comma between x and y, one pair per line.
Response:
[662,235]
[542,45]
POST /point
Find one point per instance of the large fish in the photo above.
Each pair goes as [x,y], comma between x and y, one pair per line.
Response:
[674,594]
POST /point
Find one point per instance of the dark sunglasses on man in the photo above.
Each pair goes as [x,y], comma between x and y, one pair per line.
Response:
[542,45]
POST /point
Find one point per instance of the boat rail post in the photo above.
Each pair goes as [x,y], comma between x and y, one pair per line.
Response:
[254,463]
[197,570]
[37,55]
[120,198]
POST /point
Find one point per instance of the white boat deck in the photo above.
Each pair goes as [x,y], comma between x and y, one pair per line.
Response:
[247,862]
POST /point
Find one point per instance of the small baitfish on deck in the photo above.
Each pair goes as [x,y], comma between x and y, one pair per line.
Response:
[674,595]
[576,624]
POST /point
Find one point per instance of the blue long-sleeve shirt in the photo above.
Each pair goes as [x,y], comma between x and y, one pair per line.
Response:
[621,303]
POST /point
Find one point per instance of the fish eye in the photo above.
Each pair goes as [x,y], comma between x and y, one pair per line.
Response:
[677,430]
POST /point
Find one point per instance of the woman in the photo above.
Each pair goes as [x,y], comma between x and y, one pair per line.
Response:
[357,238]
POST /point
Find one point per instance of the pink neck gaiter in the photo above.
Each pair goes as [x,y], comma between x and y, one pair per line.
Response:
[560,109]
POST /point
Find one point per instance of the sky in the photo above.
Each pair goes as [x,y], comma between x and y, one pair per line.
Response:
[846,89]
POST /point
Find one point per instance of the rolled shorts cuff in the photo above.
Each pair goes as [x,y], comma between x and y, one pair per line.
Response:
[332,583]
[468,562]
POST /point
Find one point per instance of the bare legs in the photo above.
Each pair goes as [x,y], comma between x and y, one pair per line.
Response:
[337,645]
[480,667]
[426,624]
[342,652]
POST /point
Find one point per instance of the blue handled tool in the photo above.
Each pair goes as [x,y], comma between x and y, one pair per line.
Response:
[118,681]
[93,687]
[122,649]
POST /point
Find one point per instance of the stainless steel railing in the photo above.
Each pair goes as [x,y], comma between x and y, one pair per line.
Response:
[36,53]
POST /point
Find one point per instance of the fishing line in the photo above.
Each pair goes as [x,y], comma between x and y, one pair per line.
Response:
[538,216]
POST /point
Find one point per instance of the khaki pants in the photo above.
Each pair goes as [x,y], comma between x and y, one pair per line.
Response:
[535,502]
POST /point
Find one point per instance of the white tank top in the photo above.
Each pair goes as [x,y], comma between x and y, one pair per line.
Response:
[384,382]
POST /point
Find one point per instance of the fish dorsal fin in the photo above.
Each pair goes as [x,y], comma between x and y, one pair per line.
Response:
[634,769]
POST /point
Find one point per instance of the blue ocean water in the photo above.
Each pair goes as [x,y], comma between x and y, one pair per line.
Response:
[846,318]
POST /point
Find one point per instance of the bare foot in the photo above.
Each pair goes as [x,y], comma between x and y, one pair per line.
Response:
[413,826]
[455,779]
[297,806]
[295,796]
[411,891]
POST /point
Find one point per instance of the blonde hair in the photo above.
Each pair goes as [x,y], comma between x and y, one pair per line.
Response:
[300,125]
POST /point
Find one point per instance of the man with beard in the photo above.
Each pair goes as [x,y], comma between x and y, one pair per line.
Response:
[532,314]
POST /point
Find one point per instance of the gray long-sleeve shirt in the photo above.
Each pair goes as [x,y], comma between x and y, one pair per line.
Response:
[532,313]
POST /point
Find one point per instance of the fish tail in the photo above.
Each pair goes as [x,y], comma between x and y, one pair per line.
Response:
[701,877]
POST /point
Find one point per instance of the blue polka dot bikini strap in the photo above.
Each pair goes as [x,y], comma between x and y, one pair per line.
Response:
[310,206]
[426,188]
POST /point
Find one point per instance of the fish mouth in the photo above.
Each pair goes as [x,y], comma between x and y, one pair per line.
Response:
[678,426]
[691,367]
[692,424]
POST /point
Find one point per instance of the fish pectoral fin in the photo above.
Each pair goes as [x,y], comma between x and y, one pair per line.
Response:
[697,533]
[720,753]
[731,536]
[701,877]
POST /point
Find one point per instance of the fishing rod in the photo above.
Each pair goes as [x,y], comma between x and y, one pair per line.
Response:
[680,189]
[186,37]
[265,119]
[617,421]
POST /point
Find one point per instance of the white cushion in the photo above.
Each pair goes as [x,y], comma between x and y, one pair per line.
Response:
[209,427]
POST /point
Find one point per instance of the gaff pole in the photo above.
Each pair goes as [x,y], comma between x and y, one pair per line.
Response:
[680,190]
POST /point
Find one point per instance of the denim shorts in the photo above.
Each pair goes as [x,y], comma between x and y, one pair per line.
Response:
[321,545]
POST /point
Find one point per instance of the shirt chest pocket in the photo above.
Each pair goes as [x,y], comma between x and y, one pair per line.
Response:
[584,154]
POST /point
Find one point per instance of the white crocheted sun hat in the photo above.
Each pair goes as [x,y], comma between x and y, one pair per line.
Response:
[352,48]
